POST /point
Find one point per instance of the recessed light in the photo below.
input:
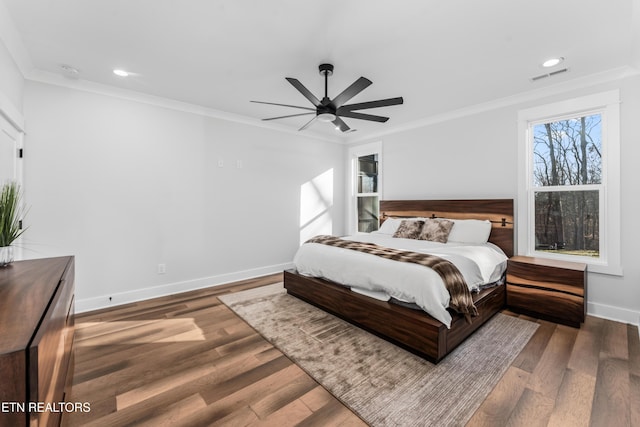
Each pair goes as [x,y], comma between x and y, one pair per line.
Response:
[552,62]
[121,73]
[68,69]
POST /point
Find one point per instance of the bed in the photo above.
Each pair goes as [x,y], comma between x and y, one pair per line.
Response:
[413,329]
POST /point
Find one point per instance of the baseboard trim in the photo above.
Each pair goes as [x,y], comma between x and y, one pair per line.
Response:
[614,313]
[112,300]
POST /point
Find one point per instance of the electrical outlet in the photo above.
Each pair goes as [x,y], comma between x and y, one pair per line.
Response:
[162,269]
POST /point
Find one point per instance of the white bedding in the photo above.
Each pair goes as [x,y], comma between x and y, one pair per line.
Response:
[480,264]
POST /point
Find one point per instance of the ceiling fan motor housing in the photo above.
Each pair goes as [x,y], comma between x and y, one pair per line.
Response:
[326,69]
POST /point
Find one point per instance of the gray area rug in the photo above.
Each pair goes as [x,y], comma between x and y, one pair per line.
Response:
[384,384]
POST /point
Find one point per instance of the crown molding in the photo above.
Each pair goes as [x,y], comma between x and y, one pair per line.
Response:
[533,95]
[131,95]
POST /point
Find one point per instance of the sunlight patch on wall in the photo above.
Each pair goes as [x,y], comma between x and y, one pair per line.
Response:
[316,200]
[137,332]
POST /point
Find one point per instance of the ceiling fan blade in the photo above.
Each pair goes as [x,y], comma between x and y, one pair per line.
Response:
[371,104]
[290,115]
[361,116]
[284,105]
[355,88]
[309,123]
[340,124]
[304,91]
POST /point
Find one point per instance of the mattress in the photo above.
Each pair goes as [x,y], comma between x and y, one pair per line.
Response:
[480,264]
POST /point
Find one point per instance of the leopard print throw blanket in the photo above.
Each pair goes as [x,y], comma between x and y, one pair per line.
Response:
[460,301]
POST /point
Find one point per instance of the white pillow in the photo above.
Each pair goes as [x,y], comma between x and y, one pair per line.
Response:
[470,231]
[389,226]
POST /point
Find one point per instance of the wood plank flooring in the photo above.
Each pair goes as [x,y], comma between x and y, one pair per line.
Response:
[187,360]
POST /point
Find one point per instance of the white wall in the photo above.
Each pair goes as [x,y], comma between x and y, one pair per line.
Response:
[476,157]
[464,158]
[125,186]
[11,80]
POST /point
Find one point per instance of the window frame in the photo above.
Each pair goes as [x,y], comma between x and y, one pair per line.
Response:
[354,154]
[608,105]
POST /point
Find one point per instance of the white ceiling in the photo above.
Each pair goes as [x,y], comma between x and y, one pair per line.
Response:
[441,56]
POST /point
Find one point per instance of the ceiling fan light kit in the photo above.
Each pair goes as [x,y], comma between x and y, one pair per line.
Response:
[332,110]
[326,117]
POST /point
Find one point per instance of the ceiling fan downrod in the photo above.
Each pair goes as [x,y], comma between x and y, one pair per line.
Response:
[326,70]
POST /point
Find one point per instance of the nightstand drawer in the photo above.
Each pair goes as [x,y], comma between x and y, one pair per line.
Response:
[549,289]
[555,306]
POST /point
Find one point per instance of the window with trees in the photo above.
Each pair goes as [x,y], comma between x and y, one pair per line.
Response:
[569,192]
[567,181]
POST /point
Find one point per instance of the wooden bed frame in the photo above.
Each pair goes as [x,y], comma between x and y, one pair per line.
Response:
[412,329]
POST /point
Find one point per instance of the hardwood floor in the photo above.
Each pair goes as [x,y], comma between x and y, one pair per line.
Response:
[570,377]
[187,360]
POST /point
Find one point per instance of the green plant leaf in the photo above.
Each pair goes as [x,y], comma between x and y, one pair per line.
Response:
[11,212]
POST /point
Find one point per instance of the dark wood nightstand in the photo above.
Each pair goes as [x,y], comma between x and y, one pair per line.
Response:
[548,289]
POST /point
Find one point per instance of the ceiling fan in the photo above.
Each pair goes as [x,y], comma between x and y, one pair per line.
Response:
[332,110]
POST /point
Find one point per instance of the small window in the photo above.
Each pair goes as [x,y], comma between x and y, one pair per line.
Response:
[365,187]
[368,202]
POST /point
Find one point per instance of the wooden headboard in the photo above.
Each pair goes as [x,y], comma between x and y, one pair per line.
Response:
[498,211]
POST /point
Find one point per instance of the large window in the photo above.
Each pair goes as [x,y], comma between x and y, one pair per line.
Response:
[567,185]
[365,188]
[569,190]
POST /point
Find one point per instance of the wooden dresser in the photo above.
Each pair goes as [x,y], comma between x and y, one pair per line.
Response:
[548,289]
[36,335]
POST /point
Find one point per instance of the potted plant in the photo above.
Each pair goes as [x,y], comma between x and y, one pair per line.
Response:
[11,211]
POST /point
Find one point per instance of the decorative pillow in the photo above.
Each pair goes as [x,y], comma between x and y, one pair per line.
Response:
[436,230]
[470,231]
[409,229]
